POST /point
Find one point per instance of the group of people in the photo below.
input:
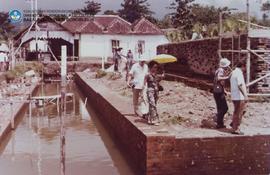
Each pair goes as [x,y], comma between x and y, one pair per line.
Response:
[117,57]
[238,93]
[142,76]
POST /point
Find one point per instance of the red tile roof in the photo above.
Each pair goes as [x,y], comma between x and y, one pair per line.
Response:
[110,24]
[91,27]
[143,26]
[74,25]
[118,27]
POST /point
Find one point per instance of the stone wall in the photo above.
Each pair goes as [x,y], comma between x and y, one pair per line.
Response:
[199,58]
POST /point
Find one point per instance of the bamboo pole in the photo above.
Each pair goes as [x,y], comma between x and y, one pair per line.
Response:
[258,56]
[257,80]
[248,46]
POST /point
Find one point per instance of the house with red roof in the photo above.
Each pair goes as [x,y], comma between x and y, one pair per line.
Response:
[88,37]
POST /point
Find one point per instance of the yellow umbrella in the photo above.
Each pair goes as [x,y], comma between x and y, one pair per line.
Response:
[164,58]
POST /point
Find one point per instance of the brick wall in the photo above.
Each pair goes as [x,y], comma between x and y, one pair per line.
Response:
[247,155]
[199,58]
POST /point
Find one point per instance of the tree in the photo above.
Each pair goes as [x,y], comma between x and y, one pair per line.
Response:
[166,22]
[6,28]
[265,8]
[182,17]
[135,9]
[210,14]
[110,12]
[92,8]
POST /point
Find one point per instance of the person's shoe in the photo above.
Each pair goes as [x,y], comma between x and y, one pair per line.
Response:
[237,132]
[220,126]
[156,124]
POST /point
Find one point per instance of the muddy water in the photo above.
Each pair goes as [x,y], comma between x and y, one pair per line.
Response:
[35,148]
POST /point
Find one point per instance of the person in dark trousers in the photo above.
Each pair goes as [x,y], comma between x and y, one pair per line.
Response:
[129,62]
[117,59]
[219,92]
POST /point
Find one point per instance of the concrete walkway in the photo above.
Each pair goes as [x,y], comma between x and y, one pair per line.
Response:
[11,108]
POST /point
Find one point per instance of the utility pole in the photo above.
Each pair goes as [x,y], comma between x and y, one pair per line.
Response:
[36,18]
[220,34]
[248,45]
[63,108]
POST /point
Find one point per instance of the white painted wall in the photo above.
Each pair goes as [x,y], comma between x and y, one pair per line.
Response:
[100,45]
[42,45]
[51,34]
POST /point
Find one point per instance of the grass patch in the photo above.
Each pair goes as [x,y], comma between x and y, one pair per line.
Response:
[100,73]
[176,120]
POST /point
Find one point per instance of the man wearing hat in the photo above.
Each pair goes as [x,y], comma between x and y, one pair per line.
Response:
[137,74]
[219,92]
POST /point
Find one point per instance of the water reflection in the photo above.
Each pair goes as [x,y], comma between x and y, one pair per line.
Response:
[35,146]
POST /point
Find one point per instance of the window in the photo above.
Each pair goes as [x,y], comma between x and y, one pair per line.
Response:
[141,47]
[115,44]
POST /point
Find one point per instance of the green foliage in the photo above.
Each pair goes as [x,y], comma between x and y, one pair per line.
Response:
[19,70]
[92,8]
[110,12]
[182,18]
[100,73]
[174,36]
[6,27]
[166,22]
[265,16]
[266,6]
[210,14]
[134,9]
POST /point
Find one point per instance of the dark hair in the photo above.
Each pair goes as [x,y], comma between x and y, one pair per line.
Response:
[152,63]
[239,64]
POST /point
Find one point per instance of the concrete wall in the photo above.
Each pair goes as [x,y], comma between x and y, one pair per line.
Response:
[131,141]
[100,45]
[246,155]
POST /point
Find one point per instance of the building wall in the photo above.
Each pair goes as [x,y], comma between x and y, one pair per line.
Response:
[100,45]
[42,45]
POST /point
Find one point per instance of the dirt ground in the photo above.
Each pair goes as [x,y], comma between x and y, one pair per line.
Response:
[187,107]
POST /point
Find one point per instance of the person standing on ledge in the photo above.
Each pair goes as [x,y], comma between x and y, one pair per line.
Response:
[219,91]
[136,81]
[152,81]
[239,96]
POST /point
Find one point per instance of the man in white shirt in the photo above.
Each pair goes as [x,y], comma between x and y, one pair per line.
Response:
[137,75]
[239,96]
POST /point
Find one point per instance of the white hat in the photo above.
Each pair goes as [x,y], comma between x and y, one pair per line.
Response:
[143,59]
[224,62]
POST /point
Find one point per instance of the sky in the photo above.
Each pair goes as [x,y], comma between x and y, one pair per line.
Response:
[158,6]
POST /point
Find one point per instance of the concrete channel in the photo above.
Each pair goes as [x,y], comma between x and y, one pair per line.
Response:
[33,148]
